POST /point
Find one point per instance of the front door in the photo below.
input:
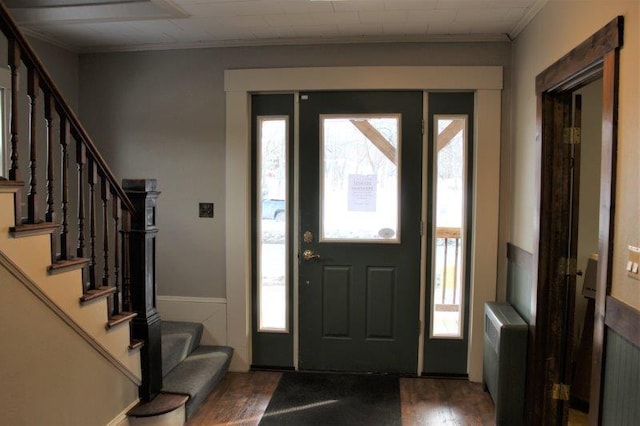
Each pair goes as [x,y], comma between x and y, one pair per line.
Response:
[360,204]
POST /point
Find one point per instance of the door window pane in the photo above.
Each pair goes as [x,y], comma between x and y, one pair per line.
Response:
[449,206]
[359,178]
[272,224]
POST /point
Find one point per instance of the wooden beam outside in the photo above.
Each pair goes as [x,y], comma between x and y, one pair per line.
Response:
[377,139]
[446,136]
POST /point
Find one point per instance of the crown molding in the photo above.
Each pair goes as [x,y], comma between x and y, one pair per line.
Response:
[534,9]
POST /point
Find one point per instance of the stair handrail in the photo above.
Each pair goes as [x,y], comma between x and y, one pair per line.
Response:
[28,55]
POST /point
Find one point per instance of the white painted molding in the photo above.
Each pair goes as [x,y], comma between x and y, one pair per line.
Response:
[528,17]
[217,44]
[191,299]
[364,78]
[211,312]
[33,288]
[485,217]
[122,419]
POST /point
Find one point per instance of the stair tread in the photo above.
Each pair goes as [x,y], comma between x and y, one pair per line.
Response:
[27,229]
[135,344]
[179,339]
[97,293]
[161,404]
[121,318]
[198,374]
[10,185]
[67,265]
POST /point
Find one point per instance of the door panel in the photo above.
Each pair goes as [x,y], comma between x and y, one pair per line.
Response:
[336,304]
[360,204]
[380,302]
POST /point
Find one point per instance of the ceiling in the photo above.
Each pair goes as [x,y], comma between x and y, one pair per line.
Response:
[106,25]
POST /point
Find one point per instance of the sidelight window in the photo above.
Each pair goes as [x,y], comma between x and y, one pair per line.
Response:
[272,218]
[450,189]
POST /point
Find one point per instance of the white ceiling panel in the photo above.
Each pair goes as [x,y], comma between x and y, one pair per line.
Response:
[101,25]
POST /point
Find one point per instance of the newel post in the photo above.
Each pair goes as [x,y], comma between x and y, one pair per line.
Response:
[142,253]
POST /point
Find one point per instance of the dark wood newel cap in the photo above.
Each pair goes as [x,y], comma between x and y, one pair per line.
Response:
[140,185]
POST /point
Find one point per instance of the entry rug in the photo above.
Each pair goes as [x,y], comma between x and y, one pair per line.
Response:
[334,399]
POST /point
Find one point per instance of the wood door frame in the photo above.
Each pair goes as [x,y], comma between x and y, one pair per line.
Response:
[596,57]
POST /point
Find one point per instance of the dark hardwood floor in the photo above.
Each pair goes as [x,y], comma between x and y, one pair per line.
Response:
[242,398]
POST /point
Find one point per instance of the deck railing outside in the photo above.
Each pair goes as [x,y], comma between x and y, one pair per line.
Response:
[448,283]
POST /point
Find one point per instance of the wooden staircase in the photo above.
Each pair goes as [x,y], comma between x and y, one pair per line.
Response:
[30,253]
[84,241]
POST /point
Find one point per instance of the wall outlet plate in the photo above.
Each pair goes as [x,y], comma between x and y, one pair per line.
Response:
[206,210]
[633,263]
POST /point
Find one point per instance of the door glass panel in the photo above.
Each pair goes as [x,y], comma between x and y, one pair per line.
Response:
[450,189]
[272,223]
[359,178]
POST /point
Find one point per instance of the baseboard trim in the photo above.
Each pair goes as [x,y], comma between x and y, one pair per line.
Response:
[121,419]
[20,275]
[192,299]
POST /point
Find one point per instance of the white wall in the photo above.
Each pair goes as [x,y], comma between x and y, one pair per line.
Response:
[162,114]
[559,27]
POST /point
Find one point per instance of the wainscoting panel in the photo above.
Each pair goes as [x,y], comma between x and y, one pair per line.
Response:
[621,396]
[519,284]
[210,312]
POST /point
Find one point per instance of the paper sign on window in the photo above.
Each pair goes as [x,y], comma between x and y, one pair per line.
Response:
[362,193]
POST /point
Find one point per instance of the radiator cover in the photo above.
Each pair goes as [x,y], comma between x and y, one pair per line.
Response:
[504,361]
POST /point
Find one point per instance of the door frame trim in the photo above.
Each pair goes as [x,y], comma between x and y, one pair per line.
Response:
[596,56]
[486,81]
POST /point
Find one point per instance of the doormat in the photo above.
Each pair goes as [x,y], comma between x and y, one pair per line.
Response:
[334,399]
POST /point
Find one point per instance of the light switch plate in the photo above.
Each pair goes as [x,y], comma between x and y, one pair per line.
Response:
[633,263]
[206,210]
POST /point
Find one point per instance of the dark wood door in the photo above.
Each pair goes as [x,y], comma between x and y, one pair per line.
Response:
[360,205]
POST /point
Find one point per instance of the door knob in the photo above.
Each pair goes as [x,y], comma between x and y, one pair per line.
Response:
[310,255]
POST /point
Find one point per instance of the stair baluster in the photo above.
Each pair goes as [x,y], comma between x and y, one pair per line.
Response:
[117,300]
[48,114]
[126,261]
[32,200]
[64,160]
[14,65]
[105,195]
[93,177]
[81,159]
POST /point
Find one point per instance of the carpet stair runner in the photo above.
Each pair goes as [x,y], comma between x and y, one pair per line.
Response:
[188,368]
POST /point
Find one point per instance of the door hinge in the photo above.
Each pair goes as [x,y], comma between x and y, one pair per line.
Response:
[422,128]
[421,228]
[561,391]
[572,135]
[419,326]
[569,266]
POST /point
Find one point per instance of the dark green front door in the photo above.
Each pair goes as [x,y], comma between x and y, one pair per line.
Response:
[359,249]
